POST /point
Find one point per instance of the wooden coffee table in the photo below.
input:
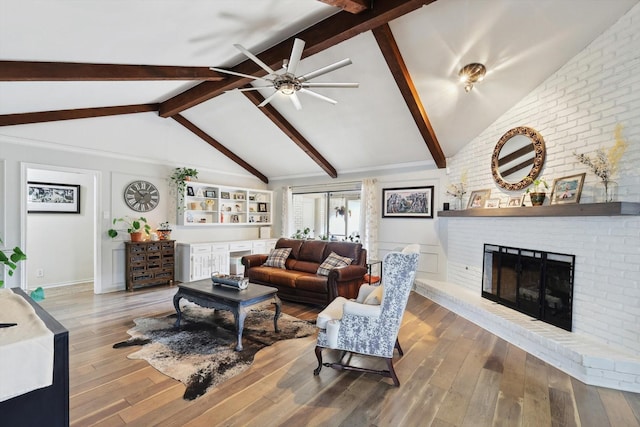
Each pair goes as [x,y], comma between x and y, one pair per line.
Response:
[238,302]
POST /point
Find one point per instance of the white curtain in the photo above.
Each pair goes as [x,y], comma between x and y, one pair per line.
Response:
[287,220]
[369,219]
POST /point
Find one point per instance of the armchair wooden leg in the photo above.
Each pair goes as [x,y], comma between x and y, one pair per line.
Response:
[399,348]
[319,357]
[392,372]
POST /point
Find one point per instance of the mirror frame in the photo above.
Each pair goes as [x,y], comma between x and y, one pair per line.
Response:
[538,160]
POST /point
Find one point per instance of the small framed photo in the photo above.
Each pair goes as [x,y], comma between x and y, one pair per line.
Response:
[262,207]
[515,201]
[567,189]
[492,203]
[46,197]
[224,195]
[190,191]
[477,199]
[211,194]
[408,202]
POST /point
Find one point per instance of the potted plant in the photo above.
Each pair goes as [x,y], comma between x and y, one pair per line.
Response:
[135,227]
[179,178]
[538,193]
[164,231]
[11,261]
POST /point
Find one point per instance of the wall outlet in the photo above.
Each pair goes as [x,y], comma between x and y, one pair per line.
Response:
[40,272]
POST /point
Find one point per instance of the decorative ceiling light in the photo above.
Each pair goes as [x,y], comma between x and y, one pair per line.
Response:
[470,74]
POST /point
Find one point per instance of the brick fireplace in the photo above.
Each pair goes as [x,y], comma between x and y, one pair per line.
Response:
[604,347]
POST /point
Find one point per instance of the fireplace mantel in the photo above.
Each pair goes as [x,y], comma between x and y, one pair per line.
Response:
[586,209]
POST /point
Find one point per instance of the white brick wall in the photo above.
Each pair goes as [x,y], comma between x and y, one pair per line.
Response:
[576,109]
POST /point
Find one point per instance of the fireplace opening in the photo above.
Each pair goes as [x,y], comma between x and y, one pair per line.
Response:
[536,283]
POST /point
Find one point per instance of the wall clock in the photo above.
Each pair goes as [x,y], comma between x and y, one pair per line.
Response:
[141,196]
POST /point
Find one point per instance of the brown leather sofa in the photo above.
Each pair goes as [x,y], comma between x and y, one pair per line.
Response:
[299,281]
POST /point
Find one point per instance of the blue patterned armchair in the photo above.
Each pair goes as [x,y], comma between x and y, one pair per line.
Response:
[370,324]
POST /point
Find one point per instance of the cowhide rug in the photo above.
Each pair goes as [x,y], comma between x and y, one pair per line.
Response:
[201,352]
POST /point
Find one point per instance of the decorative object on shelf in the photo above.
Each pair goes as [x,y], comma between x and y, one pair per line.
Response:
[458,191]
[477,199]
[135,227]
[141,196]
[492,203]
[517,149]
[407,202]
[190,192]
[538,193]
[224,195]
[45,197]
[11,262]
[179,179]
[262,207]
[515,201]
[209,204]
[605,165]
[210,194]
[164,231]
[567,189]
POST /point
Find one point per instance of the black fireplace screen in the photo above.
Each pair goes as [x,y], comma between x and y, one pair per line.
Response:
[536,283]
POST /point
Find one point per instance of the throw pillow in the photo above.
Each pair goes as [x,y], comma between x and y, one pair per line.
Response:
[375,297]
[277,257]
[333,261]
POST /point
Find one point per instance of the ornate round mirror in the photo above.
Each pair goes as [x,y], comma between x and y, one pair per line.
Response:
[518,158]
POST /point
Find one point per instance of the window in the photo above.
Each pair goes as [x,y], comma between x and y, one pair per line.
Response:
[333,215]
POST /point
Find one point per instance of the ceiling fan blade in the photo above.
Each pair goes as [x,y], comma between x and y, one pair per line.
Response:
[254,59]
[245,89]
[340,85]
[295,101]
[317,95]
[296,54]
[239,74]
[268,99]
[325,70]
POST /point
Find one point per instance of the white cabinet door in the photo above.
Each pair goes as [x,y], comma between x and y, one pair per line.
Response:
[259,247]
[200,266]
[220,262]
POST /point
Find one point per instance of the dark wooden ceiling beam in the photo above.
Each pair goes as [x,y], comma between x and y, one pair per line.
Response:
[79,113]
[286,127]
[396,64]
[19,71]
[351,6]
[323,35]
[221,148]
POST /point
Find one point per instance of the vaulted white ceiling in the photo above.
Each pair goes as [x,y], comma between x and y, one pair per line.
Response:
[521,42]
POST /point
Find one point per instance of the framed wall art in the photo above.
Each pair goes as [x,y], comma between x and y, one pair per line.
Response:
[47,197]
[262,207]
[492,203]
[190,191]
[477,199]
[515,201]
[409,202]
[567,189]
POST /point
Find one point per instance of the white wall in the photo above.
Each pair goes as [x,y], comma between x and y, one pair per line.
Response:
[576,109]
[61,245]
[114,173]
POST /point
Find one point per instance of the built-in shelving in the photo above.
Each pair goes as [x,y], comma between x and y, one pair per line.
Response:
[211,204]
[586,209]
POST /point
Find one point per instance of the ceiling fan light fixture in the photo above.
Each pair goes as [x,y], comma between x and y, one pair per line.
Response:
[287,88]
[471,74]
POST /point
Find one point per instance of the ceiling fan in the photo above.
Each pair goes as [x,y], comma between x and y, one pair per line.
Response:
[288,83]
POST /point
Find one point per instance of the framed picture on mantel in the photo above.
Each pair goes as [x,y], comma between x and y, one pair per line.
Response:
[567,189]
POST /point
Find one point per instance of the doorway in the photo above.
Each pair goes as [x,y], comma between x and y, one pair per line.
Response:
[62,247]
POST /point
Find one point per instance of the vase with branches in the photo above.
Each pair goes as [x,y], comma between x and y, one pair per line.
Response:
[604,164]
[458,191]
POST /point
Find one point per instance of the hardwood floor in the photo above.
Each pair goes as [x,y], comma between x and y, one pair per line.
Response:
[453,373]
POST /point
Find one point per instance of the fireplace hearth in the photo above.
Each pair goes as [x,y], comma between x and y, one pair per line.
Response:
[533,282]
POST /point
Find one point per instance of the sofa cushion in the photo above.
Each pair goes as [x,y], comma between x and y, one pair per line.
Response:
[306,266]
[284,277]
[333,261]
[375,297]
[312,250]
[277,257]
[346,249]
[294,244]
[312,282]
